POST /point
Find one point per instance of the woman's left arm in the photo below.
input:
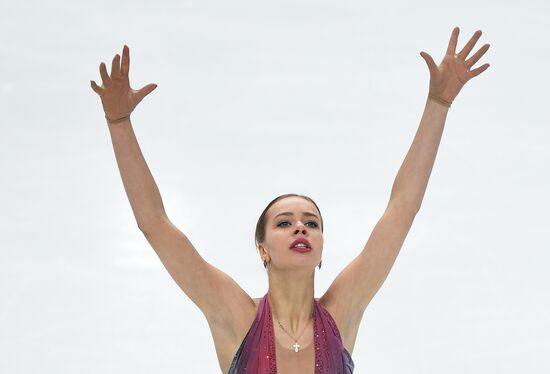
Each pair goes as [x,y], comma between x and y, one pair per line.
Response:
[446,81]
[355,286]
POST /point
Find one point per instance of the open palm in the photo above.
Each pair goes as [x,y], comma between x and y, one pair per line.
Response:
[118,99]
[447,79]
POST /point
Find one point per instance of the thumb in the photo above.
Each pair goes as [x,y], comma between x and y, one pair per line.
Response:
[429,60]
[144,91]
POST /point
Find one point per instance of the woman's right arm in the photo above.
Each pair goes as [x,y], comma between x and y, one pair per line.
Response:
[218,296]
[119,100]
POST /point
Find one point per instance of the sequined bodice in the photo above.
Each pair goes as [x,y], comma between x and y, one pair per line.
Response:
[257,354]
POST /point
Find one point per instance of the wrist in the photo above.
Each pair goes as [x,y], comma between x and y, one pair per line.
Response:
[118,120]
[439,100]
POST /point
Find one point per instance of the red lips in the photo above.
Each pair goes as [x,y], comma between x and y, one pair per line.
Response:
[302,241]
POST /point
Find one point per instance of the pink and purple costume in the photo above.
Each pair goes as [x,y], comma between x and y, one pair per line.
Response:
[256,355]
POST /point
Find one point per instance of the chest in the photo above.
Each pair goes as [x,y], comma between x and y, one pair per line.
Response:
[346,324]
[288,360]
[291,362]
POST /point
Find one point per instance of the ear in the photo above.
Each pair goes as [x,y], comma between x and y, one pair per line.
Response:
[262,251]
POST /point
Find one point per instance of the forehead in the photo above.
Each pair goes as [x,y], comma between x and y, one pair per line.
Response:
[294,204]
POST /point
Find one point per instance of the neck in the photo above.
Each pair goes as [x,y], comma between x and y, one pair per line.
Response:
[291,297]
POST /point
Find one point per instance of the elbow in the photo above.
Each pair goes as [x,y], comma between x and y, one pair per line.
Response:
[411,207]
[149,226]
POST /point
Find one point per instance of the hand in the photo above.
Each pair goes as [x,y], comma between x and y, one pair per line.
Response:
[118,99]
[447,79]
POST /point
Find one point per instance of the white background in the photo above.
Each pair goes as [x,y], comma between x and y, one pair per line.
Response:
[256,99]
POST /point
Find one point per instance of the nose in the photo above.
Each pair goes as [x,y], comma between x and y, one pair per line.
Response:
[300,227]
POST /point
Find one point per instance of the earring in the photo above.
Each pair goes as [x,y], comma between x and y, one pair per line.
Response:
[265,264]
[320,264]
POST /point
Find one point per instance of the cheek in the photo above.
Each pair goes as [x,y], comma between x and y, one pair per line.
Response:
[274,239]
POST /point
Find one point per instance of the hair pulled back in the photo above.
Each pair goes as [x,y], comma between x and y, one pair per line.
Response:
[260,226]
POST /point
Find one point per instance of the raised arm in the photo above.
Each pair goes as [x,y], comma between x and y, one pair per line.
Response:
[216,294]
[119,100]
[357,284]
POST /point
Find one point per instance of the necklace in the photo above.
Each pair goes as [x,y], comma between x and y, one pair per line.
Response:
[296,346]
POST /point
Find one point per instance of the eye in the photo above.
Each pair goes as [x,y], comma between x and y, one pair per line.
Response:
[314,224]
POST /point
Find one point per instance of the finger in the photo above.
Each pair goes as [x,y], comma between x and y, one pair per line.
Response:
[451,49]
[98,90]
[479,70]
[125,65]
[429,60]
[475,58]
[115,67]
[468,47]
[104,76]
[146,90]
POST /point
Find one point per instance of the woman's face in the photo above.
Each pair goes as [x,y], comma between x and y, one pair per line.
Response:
[287,220]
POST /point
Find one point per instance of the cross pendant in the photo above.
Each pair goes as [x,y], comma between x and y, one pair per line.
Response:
[296,346]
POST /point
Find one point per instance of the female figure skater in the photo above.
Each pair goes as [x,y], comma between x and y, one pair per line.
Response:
[310,335]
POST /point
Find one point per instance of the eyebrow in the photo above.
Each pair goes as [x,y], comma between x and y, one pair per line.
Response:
[309,214]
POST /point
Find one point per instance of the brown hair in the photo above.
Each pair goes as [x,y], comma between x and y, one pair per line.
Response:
[260,226]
